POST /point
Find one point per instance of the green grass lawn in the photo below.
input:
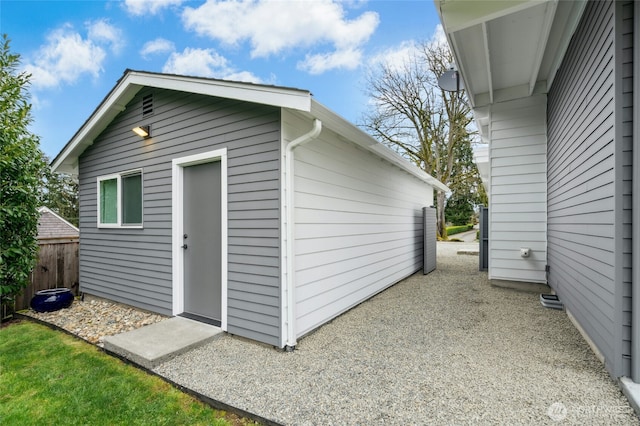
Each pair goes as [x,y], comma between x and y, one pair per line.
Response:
[50,378]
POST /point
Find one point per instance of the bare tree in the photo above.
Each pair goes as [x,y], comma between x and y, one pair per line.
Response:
[413,116]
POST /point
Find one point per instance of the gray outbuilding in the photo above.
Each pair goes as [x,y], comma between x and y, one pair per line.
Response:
[250,206]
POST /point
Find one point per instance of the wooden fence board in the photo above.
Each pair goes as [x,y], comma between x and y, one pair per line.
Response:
[57,266]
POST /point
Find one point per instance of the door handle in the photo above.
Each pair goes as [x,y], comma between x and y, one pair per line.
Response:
[184,246]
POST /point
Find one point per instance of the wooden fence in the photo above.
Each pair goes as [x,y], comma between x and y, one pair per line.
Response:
[57,266]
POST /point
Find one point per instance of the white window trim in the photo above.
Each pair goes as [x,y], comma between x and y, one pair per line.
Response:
[118,178]
[177,182]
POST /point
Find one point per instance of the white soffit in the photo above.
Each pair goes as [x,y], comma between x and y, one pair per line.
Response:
[515,42]
[508,49]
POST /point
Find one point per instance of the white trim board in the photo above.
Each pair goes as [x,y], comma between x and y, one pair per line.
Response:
[131,83]
[177,182]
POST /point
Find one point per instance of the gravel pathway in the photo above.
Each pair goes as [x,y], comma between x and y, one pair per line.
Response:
[446,348]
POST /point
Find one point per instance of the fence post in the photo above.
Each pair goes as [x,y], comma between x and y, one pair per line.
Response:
[430,239]
[484,238]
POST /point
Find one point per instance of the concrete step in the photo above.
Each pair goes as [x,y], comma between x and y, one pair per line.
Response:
[154,344]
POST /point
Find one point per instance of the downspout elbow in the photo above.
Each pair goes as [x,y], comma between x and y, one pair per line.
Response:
[307,137]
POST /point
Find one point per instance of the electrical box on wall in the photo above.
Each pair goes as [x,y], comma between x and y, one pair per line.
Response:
[525,252]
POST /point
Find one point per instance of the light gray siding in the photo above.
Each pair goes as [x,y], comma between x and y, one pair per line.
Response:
[518,189]
[134,265]
[358,226]
[589,186]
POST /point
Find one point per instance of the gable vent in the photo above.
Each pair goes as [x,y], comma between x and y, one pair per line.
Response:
[147,105]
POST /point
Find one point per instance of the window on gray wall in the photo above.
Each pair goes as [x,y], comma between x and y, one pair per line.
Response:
[120,200]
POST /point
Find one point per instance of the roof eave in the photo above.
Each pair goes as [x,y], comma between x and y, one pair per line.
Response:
[488,77]
[131,83]
[354,134]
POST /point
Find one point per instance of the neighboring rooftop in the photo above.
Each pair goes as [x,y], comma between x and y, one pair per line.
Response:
[52,226]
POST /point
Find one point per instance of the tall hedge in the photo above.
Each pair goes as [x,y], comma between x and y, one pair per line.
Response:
[21,167]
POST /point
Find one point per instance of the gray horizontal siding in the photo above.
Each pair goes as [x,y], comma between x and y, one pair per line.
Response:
[134,265]
[624,169]
[583,221]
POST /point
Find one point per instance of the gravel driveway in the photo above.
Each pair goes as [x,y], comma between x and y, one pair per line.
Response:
[445,348]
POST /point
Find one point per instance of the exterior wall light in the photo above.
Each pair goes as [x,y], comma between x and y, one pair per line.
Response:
[142,131]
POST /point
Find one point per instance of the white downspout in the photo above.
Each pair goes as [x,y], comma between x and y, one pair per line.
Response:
[290,341]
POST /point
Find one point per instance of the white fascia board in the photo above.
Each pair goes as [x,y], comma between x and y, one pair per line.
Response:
[267,95]
[67,160]
[462,68]
[449,34]
[487,58]
[569,28]
[133,81]
[354,134]
[549,15]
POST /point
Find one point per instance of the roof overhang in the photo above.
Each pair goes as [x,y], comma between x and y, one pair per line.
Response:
[508,49]
[131,83]
[354,134]
[294,99]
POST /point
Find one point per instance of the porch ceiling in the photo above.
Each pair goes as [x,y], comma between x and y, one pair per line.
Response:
[508,49]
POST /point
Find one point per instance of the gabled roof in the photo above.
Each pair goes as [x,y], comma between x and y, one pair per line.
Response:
[53,226]
[133,81]
[284,97]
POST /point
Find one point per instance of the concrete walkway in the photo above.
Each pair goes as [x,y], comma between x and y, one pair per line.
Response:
[445,348]
[154,344]
[467,237]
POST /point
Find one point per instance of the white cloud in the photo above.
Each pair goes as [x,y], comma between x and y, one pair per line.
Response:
[200,62]
[64,59]
[439,37]
[398,56]
[317,64]
[205,63]
[103,31]
[274,26]
[151,7]
[157,46]
[244,76]
[407,51]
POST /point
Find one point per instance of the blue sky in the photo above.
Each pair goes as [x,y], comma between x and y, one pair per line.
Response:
[77,50]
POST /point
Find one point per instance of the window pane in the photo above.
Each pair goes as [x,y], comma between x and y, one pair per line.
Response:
[132,199]
[109,201]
